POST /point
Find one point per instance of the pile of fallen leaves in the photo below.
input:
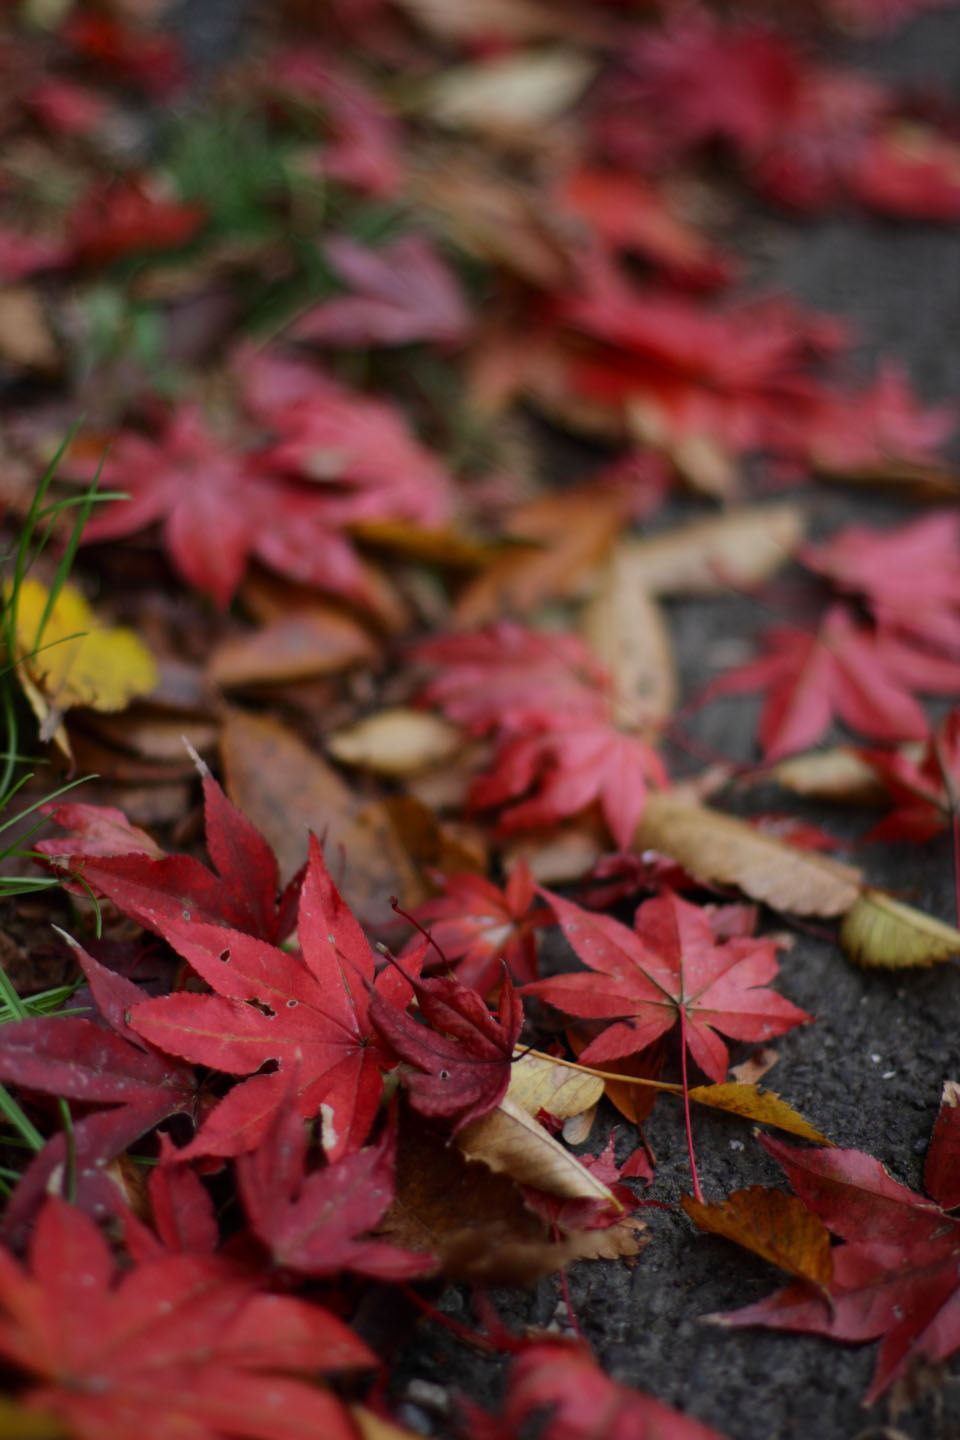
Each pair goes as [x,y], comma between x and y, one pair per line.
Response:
[312,325]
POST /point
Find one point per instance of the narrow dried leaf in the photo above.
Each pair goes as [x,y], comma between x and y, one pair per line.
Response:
[880,932]
[510,1140]
[627,632]
[776,1226]
[286,790]
[735,551]
[510,95]
[396,742]
[375,1427]
[727,851]
[755,1103]
[537,1083]
[836,774]
[26,340]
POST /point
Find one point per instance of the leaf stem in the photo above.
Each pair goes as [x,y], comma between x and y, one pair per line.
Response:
[697,1192]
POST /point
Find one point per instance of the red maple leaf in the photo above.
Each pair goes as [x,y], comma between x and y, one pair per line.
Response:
[480,928]
[910,171]
[163,891]
[923,802]
[123,217]
[862,676]
[145,59]
[105,1064]
[669,968]
[217,512]
[402,293]
[317,1223]
[461,1055]
[182,1345]
[23,255]
[896,1274]
[309,1010]
[880,425]
[553,707]
[909,576]
[564,1382]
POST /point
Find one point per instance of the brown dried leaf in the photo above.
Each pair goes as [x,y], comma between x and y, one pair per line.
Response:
[431,846]
[26,340]
[569,536]
[776,1226]
[397,742]
[727,851]
[755,1103]
[760,1063]
[318,641]
[287,790]
[626,630]
[880,932]
[738,550]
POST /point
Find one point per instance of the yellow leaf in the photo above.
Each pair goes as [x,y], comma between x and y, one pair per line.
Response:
[754,1103]
[537,1083]
[19,1424]
[880,931]
[74,660]
[776,1226]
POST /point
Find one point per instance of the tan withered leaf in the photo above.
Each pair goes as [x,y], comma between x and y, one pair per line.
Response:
[835,774]
[627,632]
[318,641]
[508,1139]
[760,1063]
[475,1220]
[511,96]
[396,742]
[561,541]
[755,1103]
[884,933]
[776,1226]
[26,339]
[374,1427]
[287,790]
[727,851]
[737,550]
[537,1083]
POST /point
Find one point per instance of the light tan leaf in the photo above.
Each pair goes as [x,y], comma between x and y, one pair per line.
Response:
[727,851]
[510,1140]
[576,1130]
[510,95]
[836,774]
[287,790]
[755,1103]
[25,336]
[397,742]
[154,734]
[558,856]
[880,932]
[760,1063]
[537,1083]
[776,1226]
[374,1427]
[737,550]
[318,641]
[626,630]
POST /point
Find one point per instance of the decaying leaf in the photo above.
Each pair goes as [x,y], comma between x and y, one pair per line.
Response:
[840,773]
[511,1140]
[735,551]
[626,630]
[727,851]
[286,790]
[884,933]
[512,95]
[396,742]
[318,641]
[776,1226]
[68,658]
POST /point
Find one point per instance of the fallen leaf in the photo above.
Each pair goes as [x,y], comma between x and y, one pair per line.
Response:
[839,773]
[753,1102]
[509,96]
[319,641]
[537,1083]
[510,1139]
[879,931]
[737,551]
[941,1175]
[753,1069]
[727,851]
[26,340]
[480,929]
[773,1225]
[396,742]
[626,630]
[67,658]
